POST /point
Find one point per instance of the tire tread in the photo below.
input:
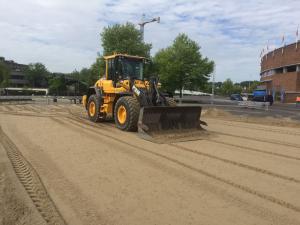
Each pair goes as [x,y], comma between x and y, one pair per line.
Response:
[133,110]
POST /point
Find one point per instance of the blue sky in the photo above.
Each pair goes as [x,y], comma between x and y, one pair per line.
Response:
[64,34]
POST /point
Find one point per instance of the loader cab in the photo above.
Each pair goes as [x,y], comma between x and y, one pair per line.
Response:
[124,67]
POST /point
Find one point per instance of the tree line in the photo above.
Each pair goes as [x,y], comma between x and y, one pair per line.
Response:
[228,87]
[178,66]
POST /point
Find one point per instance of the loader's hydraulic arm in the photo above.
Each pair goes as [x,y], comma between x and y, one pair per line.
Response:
[150,96]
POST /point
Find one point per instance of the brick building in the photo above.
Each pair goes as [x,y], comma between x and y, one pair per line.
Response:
[280,71]
[17,76]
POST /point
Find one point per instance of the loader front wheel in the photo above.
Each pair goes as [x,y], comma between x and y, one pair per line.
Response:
[93,109]
[126,113]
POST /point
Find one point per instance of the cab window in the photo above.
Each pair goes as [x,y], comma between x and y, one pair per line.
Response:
[111,69]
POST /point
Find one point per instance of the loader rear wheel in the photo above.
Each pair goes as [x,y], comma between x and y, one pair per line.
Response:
[171,101]
[93,109]
[126,113]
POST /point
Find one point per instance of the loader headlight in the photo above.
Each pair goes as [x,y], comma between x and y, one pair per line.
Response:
[136,90]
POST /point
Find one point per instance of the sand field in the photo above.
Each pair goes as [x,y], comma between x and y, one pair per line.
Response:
[69,170]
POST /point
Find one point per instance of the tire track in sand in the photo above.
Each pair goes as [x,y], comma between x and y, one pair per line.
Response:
[107,125]
[28,114]
[9,108]
[258,139]
[259,128]
[32,183]
[255,150]
[222,159]
[246,166]
[69,198]
[235,163]
[71,124]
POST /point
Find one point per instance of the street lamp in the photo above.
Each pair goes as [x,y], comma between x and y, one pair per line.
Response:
[213,85]
[143,22]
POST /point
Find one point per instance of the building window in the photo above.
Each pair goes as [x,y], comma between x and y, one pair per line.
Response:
[279,70]
[17,77]
[291,69]
[268,73]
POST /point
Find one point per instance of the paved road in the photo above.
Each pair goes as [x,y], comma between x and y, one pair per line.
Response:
[277,110]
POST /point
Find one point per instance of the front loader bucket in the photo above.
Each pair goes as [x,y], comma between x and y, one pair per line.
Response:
[164,123]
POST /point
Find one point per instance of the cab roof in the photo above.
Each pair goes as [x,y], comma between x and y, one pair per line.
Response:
[125,55]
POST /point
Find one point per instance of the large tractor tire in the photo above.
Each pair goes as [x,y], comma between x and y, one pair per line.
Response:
[126,113]
[171,101]
[93,109]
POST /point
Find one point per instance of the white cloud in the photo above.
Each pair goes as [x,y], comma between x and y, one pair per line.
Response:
[64,34]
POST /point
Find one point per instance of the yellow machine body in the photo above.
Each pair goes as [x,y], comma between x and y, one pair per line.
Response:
[111,90]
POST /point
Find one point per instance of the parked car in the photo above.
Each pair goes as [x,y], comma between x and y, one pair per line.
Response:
[236,97]
[262,96]
[259,96]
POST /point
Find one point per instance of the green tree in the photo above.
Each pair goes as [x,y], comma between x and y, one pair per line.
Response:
[84,79]
[253,85]
[182,65]
[249,86]
[124,39]
[237,89]
[88,76]
[36,74]
[97,70]
[4,75]
[208,87]
[119,38]
[228,88]
[57,85]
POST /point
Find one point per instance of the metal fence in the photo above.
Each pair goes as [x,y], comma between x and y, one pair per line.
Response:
[41,99]
[254,105]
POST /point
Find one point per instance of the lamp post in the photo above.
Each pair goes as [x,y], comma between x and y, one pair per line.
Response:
[144,21]
[213,85]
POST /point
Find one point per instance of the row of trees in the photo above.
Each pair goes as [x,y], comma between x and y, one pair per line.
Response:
[38,76]
[227,87]
[59,83]
[4,75]
[179,66]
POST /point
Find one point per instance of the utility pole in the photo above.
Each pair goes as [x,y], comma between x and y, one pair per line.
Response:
[144,21]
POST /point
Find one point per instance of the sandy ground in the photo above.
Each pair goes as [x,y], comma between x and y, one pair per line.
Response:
[243,173]
[16,207]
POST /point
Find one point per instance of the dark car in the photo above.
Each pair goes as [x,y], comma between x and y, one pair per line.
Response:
[265,98]
[236,97]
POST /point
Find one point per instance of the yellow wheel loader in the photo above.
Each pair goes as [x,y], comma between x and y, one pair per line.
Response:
[135,103]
